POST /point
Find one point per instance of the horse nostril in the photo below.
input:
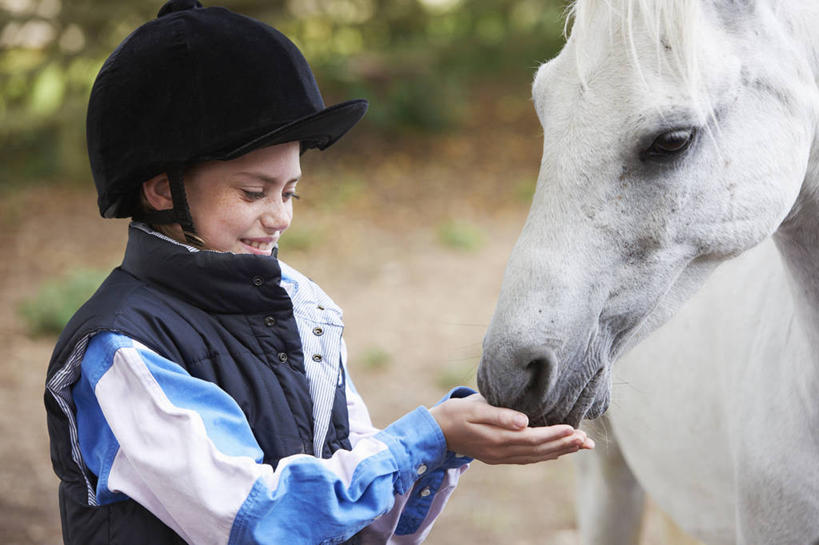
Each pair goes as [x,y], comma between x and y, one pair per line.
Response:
[538,375]
[541,374]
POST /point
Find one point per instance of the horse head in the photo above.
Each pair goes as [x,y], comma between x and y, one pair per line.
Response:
[677,135]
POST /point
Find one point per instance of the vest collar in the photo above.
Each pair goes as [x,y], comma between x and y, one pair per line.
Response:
[217,282]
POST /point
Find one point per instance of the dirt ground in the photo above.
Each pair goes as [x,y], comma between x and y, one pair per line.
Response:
[415,309]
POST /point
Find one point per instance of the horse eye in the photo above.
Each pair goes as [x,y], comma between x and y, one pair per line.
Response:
[670,143]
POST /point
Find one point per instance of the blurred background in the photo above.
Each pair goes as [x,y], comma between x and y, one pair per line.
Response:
[407,222]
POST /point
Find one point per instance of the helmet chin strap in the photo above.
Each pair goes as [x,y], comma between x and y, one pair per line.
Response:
[180,206]
[180,213]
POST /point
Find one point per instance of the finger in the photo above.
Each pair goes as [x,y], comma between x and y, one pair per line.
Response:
[506,452]
[533,459]
[510,453]
[535,437]
[557,452]
[549,448]
[588,443]
[500,417]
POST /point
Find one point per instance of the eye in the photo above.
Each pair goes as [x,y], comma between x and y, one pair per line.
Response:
[290,195]
[670,144]
[253,195]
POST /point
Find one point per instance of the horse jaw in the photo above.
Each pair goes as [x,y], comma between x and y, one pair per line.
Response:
[559,327]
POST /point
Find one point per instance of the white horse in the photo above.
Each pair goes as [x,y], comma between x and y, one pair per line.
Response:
[676,224]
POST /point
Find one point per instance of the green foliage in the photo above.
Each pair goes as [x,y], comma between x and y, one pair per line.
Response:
[341,192]
[418,61]
[456,374]
[460,235]
[525,190]
[27,156]
[299,239]
[48,90]
[50,308]
[422,102]
[376,358]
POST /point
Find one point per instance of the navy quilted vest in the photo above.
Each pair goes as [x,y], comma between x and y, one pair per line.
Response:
[225,319]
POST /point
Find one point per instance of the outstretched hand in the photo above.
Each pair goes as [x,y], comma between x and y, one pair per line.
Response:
[496,435]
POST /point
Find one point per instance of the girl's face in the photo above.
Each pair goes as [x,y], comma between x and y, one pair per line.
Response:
[244,205]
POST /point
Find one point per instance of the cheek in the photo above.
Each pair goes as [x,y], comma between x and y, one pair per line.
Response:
[237,218]
[735,215]
[221,217]
[765,154]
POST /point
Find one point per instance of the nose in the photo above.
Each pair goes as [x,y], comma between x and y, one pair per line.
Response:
[523,379]
[276,216]
[541,368]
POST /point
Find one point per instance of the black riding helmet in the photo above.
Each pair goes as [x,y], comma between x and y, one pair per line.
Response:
[198,84]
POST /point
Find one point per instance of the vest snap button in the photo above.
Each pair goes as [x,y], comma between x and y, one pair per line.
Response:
[270,321]
[318,332]
[425,492]
[317,358]
[258,281]
[282,357]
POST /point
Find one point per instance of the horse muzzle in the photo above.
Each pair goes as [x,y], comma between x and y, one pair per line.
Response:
[532,383]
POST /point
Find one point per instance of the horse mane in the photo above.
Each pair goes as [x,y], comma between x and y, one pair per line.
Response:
[673,25]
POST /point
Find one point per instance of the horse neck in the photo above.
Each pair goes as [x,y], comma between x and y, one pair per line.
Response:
[799,19]
[798,236]
[798,242]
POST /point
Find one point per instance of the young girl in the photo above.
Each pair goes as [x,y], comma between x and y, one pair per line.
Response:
[202,394]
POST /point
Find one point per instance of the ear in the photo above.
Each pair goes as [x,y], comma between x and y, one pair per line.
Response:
[157,192]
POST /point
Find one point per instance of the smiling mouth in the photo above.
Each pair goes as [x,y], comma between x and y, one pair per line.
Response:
[259,247]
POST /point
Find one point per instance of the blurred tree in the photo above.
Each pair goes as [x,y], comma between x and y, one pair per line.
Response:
[417,61]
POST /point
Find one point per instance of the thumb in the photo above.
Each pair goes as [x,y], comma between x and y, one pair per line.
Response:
[504,418]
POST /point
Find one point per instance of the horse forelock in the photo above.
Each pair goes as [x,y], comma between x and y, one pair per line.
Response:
[673,26]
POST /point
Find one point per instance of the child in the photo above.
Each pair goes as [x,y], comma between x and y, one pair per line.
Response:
[202,395]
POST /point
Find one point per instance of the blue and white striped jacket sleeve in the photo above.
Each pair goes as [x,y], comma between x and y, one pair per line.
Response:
[182,447]
[415,511]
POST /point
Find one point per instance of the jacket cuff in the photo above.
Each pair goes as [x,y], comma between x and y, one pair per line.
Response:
[453,459]
[417,444]
[457,392]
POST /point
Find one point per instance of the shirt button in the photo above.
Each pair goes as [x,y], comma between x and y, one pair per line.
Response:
[282,357]
[258,281]
[317,358]
[425,492]
[270,321]
[421,469]
[318,332]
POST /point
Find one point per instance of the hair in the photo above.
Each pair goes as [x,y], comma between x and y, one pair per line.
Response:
[674,26]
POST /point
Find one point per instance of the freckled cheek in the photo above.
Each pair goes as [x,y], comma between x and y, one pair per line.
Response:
[224,222]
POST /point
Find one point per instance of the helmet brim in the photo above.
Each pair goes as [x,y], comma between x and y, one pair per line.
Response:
[317,130]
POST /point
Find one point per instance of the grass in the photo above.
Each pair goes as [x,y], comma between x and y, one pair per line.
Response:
[460,374]
[461,235]
[376,358]
[342,192]
[49,309]
[524,190]
[300,239]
